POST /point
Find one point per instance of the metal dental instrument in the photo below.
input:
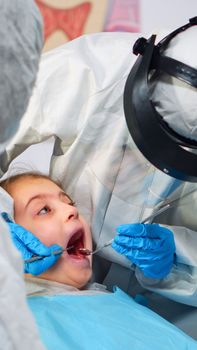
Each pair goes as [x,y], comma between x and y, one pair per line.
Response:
[155,213]
[85,251]
[39,257]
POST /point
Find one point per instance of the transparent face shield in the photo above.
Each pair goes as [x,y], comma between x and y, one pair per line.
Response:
[168,151]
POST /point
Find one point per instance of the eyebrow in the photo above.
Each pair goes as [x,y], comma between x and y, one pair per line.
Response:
[43,196]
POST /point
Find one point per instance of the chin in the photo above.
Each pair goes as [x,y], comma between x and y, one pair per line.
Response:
[79,281]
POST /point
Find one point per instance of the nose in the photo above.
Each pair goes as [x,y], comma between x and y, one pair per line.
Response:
[70,212]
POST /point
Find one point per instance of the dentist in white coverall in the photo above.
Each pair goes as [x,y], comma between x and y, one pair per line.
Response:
[78,99]
[21,44]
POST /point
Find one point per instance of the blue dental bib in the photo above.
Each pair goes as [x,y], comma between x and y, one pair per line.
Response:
[111,321]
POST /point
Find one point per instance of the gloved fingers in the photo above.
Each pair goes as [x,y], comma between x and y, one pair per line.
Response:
[28,241]
[159,231]
[37,267]
[159,270]
[137,255]
[143,243]
[141,257]
[150,256]
[132,230]
[38,248]
[151,247]
[25,253]
[118,248]
[154,264]
[143,230]
[54,247]
[131,254]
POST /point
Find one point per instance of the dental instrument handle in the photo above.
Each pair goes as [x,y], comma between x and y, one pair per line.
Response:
[38,257]
[159,211]
[103,246]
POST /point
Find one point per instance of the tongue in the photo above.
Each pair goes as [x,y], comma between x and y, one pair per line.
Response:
[77,255]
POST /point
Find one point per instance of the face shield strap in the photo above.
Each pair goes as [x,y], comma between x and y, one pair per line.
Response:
[157,143]
[165,41]
[175,68]
[169,65]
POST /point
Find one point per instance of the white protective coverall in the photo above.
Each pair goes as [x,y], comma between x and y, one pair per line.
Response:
[21,44]
[79,99]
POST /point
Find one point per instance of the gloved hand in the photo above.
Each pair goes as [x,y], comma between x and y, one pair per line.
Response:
[29,245]
[151,247]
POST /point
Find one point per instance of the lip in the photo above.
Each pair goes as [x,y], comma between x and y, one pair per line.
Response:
[75,228]
[77,260]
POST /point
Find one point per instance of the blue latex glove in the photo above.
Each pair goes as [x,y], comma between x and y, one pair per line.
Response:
[29,245]
[151,247]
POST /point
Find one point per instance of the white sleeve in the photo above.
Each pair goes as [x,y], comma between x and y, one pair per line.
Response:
[18,330]
[67,79]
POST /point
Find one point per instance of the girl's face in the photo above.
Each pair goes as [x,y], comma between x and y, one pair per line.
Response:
[43,208]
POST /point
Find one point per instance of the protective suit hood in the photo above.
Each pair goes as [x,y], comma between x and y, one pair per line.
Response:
[21,43]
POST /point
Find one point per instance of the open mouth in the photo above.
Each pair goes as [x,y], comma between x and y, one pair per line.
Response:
[75,242]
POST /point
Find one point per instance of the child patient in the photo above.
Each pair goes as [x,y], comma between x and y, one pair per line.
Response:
[67,316]
[42,207]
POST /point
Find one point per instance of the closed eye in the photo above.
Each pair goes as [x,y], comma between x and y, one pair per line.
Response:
[44,210]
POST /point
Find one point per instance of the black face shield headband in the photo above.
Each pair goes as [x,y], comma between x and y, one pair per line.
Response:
[163,147]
